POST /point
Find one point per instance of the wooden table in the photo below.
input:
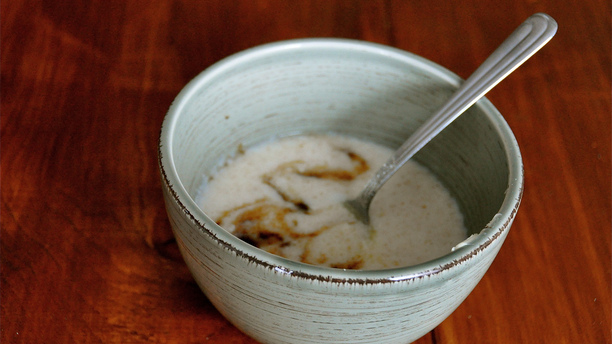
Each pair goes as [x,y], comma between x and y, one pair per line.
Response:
[87,253]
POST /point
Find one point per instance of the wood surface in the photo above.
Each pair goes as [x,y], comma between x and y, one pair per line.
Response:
[87,255]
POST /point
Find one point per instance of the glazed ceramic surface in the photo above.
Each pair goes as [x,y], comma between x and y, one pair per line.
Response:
[352,88]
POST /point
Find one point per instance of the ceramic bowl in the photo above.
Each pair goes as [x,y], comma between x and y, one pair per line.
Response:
[352,88]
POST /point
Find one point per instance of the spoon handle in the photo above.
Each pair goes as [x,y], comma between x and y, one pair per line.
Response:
[528,38]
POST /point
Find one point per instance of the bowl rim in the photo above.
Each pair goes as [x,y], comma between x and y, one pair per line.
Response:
[489,234]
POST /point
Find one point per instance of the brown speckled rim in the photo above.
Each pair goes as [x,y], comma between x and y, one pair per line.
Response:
[493,231]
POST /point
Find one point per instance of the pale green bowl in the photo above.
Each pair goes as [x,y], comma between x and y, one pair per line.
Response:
[358,89]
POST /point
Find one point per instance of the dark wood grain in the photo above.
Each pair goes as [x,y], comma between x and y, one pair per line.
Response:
[86,251]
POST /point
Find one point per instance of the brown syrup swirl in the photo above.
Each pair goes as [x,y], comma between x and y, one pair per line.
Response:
[360,166]
[264,225]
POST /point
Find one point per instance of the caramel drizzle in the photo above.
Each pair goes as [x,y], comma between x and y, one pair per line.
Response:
[360,166]
[264,225]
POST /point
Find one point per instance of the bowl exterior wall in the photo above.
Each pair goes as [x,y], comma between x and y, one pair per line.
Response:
[274,305]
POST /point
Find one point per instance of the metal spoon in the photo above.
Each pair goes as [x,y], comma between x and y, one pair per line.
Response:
[528,38]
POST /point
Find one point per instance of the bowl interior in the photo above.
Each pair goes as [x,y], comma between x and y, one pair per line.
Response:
[360,90]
